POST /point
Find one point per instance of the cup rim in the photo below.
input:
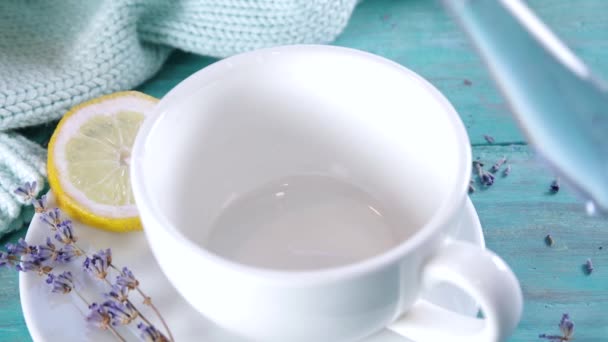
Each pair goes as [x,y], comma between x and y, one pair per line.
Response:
[442,214]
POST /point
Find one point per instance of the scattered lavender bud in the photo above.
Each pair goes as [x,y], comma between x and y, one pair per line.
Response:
[506,171]
[27,191]
[486,178]
[150,334]
[549,240]
[588,267]
[488,138]
[566,326]
[4,259]
[97,265]
[600,248]
[62,283]
[498,164]
[554,187]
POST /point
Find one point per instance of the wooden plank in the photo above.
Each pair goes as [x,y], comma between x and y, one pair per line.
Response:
[517,212]
[420,35]
[12,324]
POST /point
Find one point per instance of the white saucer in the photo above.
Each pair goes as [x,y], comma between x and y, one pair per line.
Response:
[57,317]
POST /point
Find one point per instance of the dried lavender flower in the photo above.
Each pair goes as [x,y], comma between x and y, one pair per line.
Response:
[498,164]
[47,252]
[489,138]
[21,248]
[566,326]
[99,316]
[121,314]
[8,259]
[117,309]
[31,263]
[588,267]
[68,253]
[118,293]
[5,259]
[554,187]
[97,265]
[471,187]
[65,233]
[506,171]
[150,334]
[549,240]
[27,191]
[486,178]
[52,218]
[62,283]
[127,279]
[40,204]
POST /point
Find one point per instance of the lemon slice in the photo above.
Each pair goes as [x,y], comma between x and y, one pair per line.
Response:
[89,156]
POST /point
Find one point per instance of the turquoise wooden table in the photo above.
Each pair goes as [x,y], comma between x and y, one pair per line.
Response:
[517,212]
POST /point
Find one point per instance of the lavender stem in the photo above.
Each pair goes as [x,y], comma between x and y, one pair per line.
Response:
[139,313]
[148,301]
[111,328]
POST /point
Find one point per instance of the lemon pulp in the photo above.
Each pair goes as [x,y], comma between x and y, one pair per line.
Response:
[89,160]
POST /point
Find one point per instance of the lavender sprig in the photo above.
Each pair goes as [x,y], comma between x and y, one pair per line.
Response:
[27,191]
[51,217]
[39,204]
[121,313]
[150,334]
[100,317]
[63,283]
[41,259]
[97,265]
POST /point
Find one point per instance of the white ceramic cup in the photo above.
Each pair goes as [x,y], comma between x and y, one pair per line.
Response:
[346,114]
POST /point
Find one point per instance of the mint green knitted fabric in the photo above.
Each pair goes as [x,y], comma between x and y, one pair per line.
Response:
[56,54]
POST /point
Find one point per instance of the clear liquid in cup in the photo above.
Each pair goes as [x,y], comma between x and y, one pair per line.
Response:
[302,223]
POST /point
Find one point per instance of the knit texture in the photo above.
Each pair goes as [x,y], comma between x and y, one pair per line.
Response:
[56,54]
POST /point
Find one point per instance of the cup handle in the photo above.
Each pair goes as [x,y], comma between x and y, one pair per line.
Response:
[481,274]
